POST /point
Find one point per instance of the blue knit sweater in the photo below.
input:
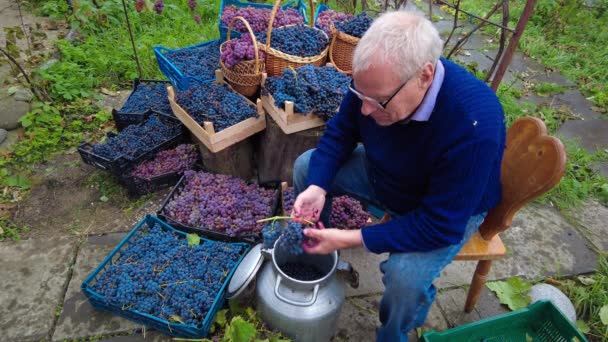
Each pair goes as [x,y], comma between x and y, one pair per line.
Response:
[435,174]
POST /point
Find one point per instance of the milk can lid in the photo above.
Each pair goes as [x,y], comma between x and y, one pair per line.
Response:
[246,271]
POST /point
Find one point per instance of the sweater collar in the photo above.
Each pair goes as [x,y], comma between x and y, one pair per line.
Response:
[423,113]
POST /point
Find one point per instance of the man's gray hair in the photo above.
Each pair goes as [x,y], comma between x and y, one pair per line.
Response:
[406,40]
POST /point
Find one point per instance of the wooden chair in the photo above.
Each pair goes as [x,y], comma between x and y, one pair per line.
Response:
[532,164]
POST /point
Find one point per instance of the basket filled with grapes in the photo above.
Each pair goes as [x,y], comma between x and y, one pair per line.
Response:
[133,144]
[241,61]
[304,98]
[325,17]
[216,115]
[345,37]
[190,65]
[258,16]
[163,171]
[165,279]
[220,206]
[293,46]
[147,96]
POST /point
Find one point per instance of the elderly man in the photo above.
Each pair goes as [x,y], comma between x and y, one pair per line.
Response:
[420,137]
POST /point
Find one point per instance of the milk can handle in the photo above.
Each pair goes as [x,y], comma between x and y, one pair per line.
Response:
[315,292]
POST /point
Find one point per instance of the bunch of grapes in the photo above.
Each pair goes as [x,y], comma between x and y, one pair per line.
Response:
[139,5]
[158,6]
[192,4]
[312,89]
[178,160]
[148,96]
[297,40]
[136,140]
[221,203]
[328,17]
[238,50]
[201,61]
[259,18]
[292,238]
[216,103]
[356,26]
[270,234]
[301,271]
[347,213]
[288,200]
[159,274]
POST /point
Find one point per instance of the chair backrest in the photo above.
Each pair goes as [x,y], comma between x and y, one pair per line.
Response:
[532,164]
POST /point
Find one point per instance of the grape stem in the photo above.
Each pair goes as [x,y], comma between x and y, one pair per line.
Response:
[274,218]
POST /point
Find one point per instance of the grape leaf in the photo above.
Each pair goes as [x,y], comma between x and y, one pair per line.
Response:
[220,317]
[513,292]
[239,330]
[17,181]
[604,314]
[582,326]
[193,239]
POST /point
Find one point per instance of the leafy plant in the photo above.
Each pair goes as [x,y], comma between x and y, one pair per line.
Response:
[513,292]
[547,89]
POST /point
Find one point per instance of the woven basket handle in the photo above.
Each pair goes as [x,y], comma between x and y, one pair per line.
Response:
[253,40]
[275,9]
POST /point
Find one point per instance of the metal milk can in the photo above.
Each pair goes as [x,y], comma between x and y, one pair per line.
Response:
[301,310]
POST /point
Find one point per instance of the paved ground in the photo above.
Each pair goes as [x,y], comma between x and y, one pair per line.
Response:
[40,277]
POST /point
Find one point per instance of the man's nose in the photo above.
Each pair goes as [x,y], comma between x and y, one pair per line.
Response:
[367,108]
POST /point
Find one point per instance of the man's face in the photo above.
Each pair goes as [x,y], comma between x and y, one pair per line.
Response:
[385,97]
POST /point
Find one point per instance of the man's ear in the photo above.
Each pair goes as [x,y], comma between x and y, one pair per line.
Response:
[427,74]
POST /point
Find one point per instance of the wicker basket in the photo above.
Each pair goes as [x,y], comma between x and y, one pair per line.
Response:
[341,50]
[245,77]
[277,61]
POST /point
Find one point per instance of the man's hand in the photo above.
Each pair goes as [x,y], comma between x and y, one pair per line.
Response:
[325,241]
[309,204]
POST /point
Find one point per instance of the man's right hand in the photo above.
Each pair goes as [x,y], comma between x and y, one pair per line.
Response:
[309,203]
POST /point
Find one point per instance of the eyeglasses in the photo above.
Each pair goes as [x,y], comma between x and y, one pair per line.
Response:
[381,105]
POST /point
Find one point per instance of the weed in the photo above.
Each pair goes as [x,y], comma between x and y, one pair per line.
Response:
[11,230]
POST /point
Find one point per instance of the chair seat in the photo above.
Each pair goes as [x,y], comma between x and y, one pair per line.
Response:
[479,249]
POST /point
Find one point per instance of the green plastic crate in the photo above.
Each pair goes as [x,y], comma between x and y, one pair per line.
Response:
[541,321]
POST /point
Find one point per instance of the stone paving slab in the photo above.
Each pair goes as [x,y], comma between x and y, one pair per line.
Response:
[592,216]
[539,243]
[79,319]
[367,264]
[591,134]
[33,277]
[578,104]
[452,302]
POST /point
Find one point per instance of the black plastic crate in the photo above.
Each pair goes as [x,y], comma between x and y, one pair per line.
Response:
[252,238]
[170,328]
[120,164]
[137,186]
[124,119]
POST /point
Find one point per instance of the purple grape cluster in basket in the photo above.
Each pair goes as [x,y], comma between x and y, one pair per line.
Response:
[200,61]
[356,26]
[258,18]
[312,89]
[298,40]
[221,203]
[288,200]
[328,17]
[347,213]
[136,140]
[148,96]
[159,274]
[179,159]
[240,49]
[215,103]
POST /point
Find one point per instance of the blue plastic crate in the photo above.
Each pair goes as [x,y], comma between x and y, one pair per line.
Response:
[162,325]
[300,5]
[178,78]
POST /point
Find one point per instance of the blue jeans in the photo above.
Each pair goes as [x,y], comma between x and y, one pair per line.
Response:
[407,277]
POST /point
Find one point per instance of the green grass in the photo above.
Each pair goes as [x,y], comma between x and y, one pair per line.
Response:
[589,295]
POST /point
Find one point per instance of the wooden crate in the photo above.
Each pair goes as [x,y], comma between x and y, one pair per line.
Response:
[287,119]
[229,136]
